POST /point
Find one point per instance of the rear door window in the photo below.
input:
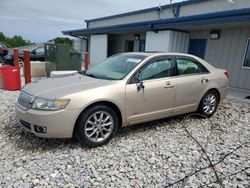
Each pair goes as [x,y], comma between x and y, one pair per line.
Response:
[187,67]
[40,50]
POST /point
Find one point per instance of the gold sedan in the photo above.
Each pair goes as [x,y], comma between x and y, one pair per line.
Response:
[125,89]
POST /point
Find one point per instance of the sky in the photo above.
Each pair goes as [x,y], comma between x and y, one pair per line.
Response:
[42,20]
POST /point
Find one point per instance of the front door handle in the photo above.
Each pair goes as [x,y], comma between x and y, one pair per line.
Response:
[168,85]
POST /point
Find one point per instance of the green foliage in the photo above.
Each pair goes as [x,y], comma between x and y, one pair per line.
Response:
[15,41]
[63,40]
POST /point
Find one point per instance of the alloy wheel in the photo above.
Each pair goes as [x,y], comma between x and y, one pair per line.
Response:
[209,105]
[99,126]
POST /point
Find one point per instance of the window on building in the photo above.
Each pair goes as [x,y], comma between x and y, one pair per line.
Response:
[186,66]
[246,62]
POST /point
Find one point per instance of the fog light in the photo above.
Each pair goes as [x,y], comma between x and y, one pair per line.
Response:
[40,129]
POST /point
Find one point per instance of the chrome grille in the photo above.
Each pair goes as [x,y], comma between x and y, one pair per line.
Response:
[25,100]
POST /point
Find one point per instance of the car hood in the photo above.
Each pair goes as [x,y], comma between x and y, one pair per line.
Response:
[63,86]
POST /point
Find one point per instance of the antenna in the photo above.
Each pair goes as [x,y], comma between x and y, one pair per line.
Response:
[159,7]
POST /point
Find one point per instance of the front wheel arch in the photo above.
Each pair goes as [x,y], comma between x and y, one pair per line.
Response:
[106,103]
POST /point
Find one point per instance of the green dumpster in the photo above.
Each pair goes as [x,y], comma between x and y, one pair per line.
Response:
[59,57]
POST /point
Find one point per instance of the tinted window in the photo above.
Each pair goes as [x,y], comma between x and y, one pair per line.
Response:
[40,50]
[157,69]
[246,62]
[115,67]
[2,45]
[186,66]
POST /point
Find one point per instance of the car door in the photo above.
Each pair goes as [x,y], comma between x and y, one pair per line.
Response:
[191,83]
[37,54]
[154,97]
[40,54]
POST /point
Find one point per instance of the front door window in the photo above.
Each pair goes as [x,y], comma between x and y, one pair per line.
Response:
[157,69]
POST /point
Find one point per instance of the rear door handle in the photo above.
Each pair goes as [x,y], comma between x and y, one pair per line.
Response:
[168,85]
[204,80]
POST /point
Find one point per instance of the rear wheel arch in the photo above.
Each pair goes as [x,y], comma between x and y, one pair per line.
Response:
[216,90]
[106,103]
[200,108]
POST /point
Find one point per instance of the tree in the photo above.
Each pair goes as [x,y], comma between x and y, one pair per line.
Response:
[15,41]
[63,40]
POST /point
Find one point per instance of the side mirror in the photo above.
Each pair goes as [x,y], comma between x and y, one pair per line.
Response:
[140,84]
[33,52]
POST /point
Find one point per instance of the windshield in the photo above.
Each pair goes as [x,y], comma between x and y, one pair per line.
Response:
[115,67]
[2,45]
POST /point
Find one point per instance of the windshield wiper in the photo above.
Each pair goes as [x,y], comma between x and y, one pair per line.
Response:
[91,75]
[98,77]
[82,72]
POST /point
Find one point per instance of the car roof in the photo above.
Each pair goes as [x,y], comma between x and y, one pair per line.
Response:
[159,53]
[155,54]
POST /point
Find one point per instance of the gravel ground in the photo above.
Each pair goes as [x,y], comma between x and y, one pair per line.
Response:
[175,152]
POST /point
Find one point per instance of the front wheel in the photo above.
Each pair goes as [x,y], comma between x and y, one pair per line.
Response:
[209,103]
[1,60]
[97,126]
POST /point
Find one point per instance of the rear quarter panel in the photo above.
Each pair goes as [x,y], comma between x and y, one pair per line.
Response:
[217,79]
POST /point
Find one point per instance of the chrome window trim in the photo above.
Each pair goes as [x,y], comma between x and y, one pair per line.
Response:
[145,63]
[191,59]
[194,74]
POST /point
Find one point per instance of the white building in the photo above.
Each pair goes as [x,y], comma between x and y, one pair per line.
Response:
[216,30]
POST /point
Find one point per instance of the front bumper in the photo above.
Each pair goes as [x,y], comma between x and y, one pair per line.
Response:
[59,124]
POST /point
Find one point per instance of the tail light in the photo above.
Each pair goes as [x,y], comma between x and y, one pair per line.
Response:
[226,74]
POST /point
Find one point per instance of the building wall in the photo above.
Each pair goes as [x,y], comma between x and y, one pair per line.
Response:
[213,6]
[185,10]
[116,43]
[157,41]
[228,53]
[168,41]
[179,42]
[98,48]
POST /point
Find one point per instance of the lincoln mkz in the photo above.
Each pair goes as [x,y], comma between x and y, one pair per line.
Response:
[125,89]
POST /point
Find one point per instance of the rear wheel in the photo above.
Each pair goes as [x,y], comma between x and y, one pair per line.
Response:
[97,126]
[209,103]
[21,63]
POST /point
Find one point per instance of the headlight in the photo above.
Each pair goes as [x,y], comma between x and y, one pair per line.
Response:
[48,104]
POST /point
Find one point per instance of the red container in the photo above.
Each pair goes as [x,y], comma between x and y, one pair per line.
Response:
[11,77]
[1,78]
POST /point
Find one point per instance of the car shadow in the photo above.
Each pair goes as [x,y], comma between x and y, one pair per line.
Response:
[22,139]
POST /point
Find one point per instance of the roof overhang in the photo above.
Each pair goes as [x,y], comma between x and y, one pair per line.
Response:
[231,16]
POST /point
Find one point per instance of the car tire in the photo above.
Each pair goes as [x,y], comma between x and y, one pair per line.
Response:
[209,103]
[21,62]
[1,60]
[96,126]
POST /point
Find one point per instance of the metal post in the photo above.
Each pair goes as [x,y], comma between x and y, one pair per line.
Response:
[86,61]
[16,57]
[27,70]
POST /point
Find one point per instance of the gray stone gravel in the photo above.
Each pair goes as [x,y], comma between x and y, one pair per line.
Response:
[155,154]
